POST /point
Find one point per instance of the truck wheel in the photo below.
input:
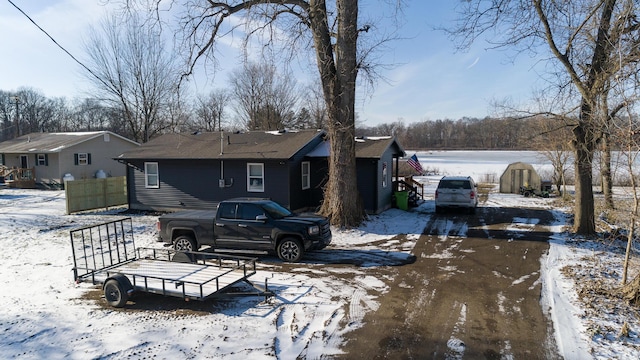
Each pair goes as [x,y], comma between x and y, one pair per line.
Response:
[115,294]
[290,250]
[184,243]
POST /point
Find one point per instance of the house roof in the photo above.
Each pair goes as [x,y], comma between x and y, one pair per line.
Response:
[366,147]
[52,142]
[247,145]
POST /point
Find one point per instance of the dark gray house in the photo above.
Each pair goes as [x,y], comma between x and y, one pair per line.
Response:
[195,171]
[375,164]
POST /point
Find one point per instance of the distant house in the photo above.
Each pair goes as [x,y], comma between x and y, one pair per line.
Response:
[48,157]
[195,171]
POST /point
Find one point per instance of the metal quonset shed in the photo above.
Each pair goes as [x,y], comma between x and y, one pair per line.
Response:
[519,174]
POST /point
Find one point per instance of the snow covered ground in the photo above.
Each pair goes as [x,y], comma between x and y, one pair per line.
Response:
[46,315]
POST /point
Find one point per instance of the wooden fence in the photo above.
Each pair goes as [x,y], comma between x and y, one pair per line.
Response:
[91,194]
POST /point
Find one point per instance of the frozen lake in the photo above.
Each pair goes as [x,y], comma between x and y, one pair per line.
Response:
[482,165]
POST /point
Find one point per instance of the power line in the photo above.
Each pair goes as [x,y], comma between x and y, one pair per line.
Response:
[57,44]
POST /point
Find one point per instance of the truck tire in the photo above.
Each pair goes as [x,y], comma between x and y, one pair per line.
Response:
[115,292]
[185,243]
[290,250]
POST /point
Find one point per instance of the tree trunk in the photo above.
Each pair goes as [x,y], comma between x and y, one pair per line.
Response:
[631,291]
[584,146]
[342,202]
[607,184]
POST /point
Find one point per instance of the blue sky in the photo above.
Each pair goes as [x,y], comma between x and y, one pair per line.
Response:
[428,79]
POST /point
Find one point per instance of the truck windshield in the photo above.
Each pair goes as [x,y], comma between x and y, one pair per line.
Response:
[276,210]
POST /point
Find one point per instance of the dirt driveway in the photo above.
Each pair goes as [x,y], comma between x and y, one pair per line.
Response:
[473,293]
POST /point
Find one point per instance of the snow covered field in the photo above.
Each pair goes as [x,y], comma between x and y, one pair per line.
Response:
[46,315]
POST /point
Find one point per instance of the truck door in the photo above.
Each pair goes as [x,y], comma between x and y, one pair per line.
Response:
[254,234]
[226,226]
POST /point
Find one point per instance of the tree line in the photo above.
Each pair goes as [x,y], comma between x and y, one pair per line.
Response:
[257,99]
[216,111]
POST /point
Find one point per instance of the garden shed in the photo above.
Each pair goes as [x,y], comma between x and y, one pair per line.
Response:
[519,174]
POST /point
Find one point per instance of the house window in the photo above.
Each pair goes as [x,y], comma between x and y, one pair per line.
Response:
[82,159]
[24,161]
[306,177]
[384,174]
[42,160]
[255,177]
[151,178]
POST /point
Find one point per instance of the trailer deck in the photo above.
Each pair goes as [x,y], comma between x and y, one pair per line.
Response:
[106,252]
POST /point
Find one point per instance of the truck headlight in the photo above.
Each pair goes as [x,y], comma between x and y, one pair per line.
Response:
[314,230]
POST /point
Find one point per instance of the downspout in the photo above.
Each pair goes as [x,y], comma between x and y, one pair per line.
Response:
[395,183]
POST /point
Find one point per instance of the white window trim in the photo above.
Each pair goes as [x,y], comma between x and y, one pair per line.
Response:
[385,172]
[81,161]
[42,160]
[306,177]
[255,188]
[147,175]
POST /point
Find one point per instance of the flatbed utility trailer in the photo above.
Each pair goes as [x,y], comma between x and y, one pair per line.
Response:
[106,254]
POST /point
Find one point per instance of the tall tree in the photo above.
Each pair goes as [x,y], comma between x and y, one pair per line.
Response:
[580,37]
[7,115]
[263,97]
[133,71]
[332,28]
[210,110]
[315,106]
[37,113]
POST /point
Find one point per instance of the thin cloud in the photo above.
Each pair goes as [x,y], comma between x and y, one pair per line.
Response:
[474,63]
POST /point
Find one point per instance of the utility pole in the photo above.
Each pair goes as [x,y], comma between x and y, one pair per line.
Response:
[16,126]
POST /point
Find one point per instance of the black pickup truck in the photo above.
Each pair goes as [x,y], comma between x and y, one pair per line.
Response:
[246,224]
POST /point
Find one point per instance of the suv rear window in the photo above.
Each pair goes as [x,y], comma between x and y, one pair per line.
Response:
[455,184]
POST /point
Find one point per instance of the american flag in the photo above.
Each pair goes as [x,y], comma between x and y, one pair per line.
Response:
[414,163]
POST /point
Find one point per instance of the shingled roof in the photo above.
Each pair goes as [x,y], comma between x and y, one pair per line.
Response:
[366,147]
[51,142]
[236,145]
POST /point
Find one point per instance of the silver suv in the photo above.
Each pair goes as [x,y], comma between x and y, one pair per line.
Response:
[457,192]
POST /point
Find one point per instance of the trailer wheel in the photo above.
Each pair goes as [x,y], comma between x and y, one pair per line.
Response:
[184,243]
[115,293]
[290,250]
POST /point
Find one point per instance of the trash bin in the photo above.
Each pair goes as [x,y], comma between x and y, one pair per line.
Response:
[402,200]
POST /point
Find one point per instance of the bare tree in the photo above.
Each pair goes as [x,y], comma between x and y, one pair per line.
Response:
[210,110]
[7,115]
[36,112]
[89,114]
[580,37]
[133,72]
[333,29]
[315,104]
[551,141]
[330,29]
[264,99]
